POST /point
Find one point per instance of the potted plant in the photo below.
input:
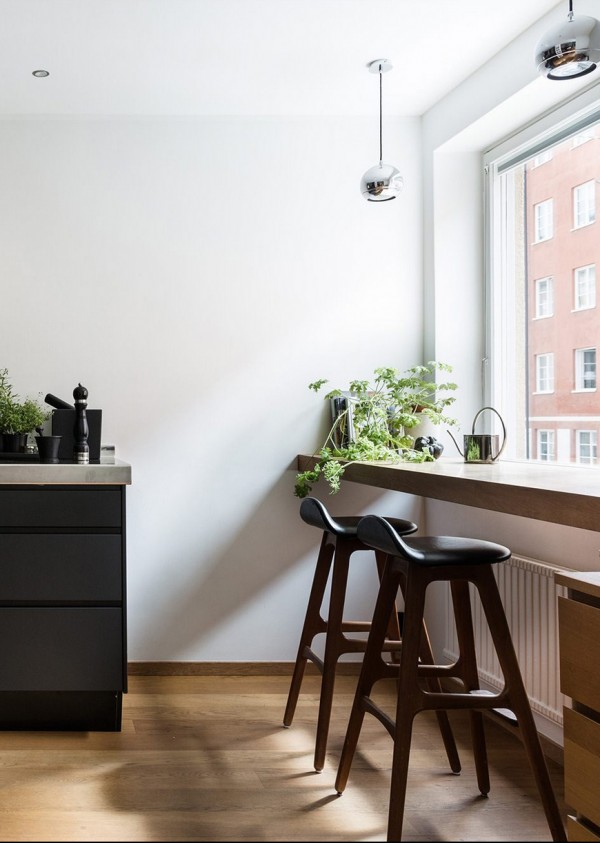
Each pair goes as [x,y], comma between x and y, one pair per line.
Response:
[377,421]
[18,417]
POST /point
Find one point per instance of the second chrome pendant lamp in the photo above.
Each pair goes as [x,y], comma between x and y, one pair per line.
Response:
[571,49]
[383,181]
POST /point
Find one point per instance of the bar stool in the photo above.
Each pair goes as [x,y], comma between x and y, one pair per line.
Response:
[338,543]
[414,563]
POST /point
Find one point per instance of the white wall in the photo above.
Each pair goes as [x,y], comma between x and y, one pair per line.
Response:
[195,275]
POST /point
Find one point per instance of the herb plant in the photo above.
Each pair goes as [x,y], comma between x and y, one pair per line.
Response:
[374,420]
[18,416]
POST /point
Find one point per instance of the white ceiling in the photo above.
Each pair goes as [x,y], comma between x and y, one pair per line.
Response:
[246,57]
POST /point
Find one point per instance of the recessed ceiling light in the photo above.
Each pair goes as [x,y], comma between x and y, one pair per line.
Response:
[40,73]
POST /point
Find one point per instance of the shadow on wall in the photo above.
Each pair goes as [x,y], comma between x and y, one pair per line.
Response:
[266,547]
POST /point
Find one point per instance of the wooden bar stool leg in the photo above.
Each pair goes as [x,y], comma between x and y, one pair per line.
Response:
[410,700]
[433,684]
[313,623]
[334,646]
[519,701]
[393,630]
[373,668]
[467,660]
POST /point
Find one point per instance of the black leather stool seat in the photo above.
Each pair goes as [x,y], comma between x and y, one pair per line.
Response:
[339,541]
[313,512]
[413,563]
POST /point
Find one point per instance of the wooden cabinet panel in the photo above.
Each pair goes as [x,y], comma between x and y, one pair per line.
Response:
[61,649]
[579,625]
[72,567]
[582,764]
[577,831]
[52,507]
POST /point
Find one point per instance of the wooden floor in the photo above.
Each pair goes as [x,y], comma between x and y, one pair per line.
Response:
[207,758]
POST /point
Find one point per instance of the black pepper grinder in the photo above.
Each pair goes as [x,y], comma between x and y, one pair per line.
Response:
[81,449]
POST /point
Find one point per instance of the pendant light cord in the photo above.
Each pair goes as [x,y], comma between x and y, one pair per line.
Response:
[380,117]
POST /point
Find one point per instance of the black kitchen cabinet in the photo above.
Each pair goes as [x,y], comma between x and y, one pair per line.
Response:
[63,641]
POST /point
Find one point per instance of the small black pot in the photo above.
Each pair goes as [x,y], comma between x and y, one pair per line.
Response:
[48,448]
[14,443]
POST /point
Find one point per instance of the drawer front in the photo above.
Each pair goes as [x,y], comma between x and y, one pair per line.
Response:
[60,567]
[66,649]
[582,765]
[579,630]
[577,831]
[53,506]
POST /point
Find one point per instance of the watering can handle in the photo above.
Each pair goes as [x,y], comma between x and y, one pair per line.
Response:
[501,422]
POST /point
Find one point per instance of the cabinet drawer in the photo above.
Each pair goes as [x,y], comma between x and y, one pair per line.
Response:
[58,507]
[578,831]
[60,567]
[582,764]
[66,649]
[579,626]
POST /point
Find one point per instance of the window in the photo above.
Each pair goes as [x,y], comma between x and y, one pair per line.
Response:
[540,372]
[585,368]
[545,445]
[586,446]
[544,297]
[583,137]
[544,212]
[584,204]
[542,158]
[585,287]
[544,373]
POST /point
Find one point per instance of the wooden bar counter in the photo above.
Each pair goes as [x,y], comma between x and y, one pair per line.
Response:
[567,494]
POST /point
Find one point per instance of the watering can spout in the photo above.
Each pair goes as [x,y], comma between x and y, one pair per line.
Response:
[456,443]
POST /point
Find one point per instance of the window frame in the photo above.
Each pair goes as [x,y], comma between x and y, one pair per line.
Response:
[549,280]
[548,356]
[549,203]
[559,123]
[590,217]
[592,444]
[580,369]
[580,269]
[550,445]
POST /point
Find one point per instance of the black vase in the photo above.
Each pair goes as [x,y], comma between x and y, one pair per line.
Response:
[14,443]
[48,448]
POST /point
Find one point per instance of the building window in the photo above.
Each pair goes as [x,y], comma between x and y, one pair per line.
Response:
[584,204]
[586,446]
[542,158]
[544,372]
[585,287]
[585,368]
[544,298]
[544,223]
[545,445]
[540,373]
[583,137]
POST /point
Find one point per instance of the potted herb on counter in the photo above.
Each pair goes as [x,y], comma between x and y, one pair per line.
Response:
[18,417]
[377,421]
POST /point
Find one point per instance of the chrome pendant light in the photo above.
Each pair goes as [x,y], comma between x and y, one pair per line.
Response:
[383,181]
[571,49]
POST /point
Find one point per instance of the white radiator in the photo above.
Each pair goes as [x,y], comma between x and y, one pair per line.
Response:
[529,595]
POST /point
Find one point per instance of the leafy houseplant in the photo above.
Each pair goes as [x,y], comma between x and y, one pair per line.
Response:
[373,421]
[17,417]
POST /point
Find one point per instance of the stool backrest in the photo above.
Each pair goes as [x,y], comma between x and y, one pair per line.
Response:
[315,513]
[376,532]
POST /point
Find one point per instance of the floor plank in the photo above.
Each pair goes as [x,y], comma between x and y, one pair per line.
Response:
[207,758]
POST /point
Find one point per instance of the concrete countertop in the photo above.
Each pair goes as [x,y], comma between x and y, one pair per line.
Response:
[112,472]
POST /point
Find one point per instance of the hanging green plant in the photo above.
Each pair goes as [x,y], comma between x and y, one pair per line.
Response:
[372,421]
